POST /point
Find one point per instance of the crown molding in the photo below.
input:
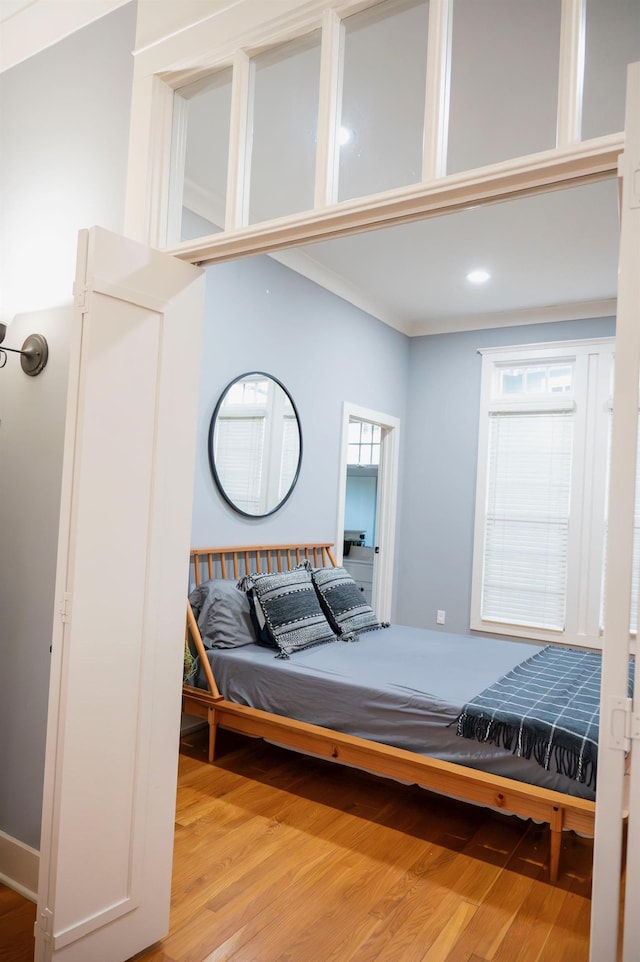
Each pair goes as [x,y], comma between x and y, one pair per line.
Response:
[577,310]
[28,29]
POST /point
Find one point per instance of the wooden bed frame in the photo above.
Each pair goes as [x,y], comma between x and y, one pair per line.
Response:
[560,811]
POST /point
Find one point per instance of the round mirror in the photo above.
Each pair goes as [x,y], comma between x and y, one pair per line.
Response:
[255,444]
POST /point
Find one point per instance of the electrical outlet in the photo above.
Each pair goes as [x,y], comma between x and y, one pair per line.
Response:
[440,616]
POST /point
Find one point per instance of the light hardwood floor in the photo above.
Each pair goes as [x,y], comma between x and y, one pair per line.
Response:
[283,858]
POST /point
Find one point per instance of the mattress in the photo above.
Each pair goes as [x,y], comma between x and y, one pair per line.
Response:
[400,686]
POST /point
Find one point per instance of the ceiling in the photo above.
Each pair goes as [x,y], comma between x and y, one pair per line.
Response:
[551,256]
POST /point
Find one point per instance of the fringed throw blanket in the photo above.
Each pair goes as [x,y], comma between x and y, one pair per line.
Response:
[546,708]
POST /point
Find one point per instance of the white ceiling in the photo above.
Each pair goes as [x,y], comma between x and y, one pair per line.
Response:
[551,256]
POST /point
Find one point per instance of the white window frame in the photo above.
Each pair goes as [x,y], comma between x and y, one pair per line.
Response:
[590,399]
[198,49]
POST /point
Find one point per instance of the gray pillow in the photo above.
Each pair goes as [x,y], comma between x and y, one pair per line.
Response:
[222,613]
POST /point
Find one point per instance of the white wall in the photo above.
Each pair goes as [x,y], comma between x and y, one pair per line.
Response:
[65,118]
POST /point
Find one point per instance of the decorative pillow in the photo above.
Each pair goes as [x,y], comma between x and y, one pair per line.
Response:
[287,612]
[343,603]
[223,615]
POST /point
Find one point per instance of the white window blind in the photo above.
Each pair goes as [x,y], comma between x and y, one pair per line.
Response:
[541,491]
[527,521]
[239,447]
[290,454]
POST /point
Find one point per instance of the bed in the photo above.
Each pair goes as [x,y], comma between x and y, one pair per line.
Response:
[350,704]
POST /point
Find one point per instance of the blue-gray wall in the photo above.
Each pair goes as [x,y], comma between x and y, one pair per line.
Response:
[435,539]
[263,316]
[65,133]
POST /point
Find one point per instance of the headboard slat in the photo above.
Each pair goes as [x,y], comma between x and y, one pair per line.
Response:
[254,559]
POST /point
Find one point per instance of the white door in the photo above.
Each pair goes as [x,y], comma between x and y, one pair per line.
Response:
[620,727]
[114,704]
[629,290]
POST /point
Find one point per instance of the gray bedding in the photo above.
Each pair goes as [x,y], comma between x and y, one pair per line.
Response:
[400,686]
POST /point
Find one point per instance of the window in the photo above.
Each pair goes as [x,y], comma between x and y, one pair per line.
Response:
[364,443]
[541,491]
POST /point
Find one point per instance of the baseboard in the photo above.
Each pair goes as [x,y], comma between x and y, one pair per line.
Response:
[19,865]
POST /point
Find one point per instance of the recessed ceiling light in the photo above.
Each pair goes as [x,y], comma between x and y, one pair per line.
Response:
[344,135]
[478,276]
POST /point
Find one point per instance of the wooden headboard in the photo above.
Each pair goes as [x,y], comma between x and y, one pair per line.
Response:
[235,563]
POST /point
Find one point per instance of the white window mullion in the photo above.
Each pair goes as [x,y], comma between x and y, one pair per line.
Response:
[240,142]
[571,72]
[590,558]
[581,482]
[436,105]
[176,173]
[329,106]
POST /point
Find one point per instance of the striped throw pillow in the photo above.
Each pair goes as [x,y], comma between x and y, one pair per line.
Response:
[288,612]
[343,603]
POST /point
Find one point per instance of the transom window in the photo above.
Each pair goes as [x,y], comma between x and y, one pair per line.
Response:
[353,100]
[364,443]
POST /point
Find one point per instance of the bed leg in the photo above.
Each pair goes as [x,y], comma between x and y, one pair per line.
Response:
[213,729]
[555,825]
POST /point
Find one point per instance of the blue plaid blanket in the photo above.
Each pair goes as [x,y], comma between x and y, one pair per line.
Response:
[546,708]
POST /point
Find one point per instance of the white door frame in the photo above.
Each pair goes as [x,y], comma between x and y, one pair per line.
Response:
[386,500]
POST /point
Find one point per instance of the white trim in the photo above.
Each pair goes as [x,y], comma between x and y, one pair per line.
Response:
[571,72]
[19,865]
[178,185]
[240,142]
[387,501]
[436,104]
[572,166]
[559,349]
[329,108]
[578,310]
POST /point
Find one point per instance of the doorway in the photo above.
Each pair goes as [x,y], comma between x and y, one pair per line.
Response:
[368,485]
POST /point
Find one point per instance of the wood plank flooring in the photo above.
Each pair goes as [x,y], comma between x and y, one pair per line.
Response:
[283,858]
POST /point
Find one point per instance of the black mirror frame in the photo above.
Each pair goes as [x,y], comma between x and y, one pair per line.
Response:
[212,427]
